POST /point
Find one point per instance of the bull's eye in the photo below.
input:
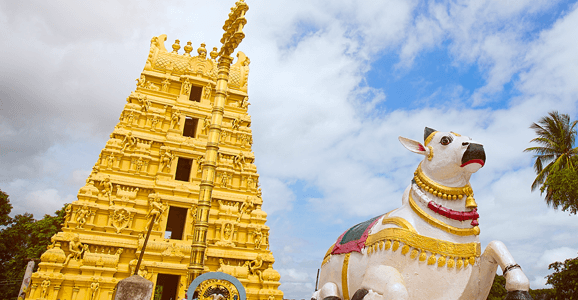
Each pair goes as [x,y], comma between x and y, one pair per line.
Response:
[446,140]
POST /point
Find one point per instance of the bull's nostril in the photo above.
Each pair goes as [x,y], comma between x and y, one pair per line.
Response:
[465,143]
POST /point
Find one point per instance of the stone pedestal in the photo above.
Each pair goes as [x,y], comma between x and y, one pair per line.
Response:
[134,288]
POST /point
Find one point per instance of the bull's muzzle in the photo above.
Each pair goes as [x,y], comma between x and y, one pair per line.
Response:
[474,154]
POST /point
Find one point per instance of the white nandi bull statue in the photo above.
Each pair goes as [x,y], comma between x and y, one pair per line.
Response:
[429,247]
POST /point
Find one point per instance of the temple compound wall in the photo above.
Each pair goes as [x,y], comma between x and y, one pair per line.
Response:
[151,165]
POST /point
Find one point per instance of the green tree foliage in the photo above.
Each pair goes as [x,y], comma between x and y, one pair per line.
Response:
[564,279]
[561,189]
[5,209]
[498,291]
[22,239]
[555,158]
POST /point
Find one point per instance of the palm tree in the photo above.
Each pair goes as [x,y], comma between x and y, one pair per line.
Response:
[556,137]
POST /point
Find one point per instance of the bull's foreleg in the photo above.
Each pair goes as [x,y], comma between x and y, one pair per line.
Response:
[382,282]
[517,284]
[328,291]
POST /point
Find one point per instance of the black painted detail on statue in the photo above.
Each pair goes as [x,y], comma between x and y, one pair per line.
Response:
[426,132]
[359,294]
[474,151]
[354,233]
[332,298]
[518,295]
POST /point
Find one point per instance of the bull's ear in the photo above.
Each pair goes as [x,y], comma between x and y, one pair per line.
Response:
[413,146]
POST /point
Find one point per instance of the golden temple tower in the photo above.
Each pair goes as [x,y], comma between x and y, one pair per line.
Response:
[181,152]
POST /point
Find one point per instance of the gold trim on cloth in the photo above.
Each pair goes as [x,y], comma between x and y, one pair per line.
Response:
[327,255]
[344,286]
[424,243]
[441,225]
[401,222]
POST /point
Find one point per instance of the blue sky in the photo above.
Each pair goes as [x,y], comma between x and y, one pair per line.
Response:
[332,86]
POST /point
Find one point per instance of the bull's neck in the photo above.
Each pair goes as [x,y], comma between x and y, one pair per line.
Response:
[456,180]
[464,192]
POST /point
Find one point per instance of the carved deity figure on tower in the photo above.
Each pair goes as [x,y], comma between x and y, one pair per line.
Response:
[129,141]
[166,84]
[186,87]
[257,238]
[166,160]
[207,91]
[107,185]
[245,103]
[236,123]
[156,210]
[76,249]
[82,216]
[140,82]
[206,124]
[45,284]
[246,208]
[239,161]
[94,287]
[255,265]
[175,119]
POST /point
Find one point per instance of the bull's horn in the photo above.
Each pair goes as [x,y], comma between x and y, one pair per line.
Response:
[427,132]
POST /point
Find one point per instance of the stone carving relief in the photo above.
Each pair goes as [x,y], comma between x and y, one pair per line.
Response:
[76,249]
[45,285]
[129,141]
[206,125]
[120,219]
[107,257]
[246,208]
[94,289]
[239,161]
[126,193]
[244,103]
[107,190]
[236,123]
[141,82]
[207,91]
[228,207]
[156,210]
[227,232]
[257,238]
[225,179]
[175,119]
[240,271]
[166,85]
[82,214]
[166,160]
[255,266]
[186,88]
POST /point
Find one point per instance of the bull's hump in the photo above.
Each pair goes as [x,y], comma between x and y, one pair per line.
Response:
[353,239]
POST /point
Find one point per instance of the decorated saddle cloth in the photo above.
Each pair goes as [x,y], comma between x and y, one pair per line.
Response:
[353,239]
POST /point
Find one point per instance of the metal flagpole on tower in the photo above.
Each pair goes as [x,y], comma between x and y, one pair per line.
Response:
[231,39]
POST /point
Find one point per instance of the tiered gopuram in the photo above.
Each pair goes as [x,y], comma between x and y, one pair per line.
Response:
[152,165]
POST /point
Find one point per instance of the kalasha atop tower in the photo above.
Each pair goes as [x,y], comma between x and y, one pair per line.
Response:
[181,153]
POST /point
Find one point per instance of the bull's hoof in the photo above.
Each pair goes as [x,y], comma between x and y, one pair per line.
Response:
[518,295]
[359,294]
[332,298]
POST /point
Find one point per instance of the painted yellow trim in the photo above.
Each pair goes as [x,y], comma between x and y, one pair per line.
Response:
[438,190]
[327,255]
[441,225]
[401,222]
[429,138]
[424,243]
[344,286]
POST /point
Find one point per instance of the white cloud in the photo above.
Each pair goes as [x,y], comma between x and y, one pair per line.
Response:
[314,119]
